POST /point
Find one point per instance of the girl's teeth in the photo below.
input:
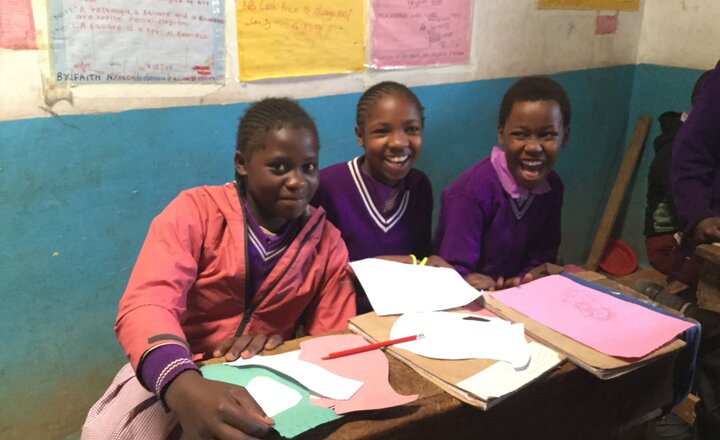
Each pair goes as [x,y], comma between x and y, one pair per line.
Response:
[397,159]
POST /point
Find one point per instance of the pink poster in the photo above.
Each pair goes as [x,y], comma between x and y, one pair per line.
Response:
[17,27]
[607,324]
[409,33]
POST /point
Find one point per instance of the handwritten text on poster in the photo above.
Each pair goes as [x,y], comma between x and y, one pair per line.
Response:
[299,37]
[142,41]
[420,32]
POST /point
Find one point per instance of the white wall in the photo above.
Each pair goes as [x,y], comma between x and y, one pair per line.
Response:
[680,33]
[510,38]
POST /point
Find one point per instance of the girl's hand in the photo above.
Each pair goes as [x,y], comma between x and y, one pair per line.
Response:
[246,346]
[707,231]
[514,281]
[437,261]
[207,409]
[480,281]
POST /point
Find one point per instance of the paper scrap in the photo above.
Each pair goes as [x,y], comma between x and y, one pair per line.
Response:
[608,324]
[395,288]
[272,396]
[606,24]
[370,367]
[447,335]
[17,26]
[500,378]
[313,377]
[293,421]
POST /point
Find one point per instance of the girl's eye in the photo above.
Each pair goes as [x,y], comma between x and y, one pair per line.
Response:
[310,168]
[278,168]
[381,131]
[518,134]
[413,129]
[550,135]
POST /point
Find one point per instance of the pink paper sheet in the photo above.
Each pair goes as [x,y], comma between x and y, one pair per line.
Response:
[420,32]
[17,27]
[596,319]
[370,367]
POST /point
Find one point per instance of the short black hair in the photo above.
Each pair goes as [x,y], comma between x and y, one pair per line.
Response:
[534,88]
[379,91]
[270,114]
[699,84]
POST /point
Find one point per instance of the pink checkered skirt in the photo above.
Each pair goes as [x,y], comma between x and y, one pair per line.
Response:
[127,411]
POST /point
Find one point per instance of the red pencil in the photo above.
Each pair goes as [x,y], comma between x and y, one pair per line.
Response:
[369,347]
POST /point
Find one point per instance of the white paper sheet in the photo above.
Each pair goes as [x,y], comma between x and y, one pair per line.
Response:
[448,336]
[311,376]
[272,396]
[500,378]
[395,288]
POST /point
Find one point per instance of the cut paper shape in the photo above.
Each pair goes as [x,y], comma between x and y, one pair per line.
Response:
[313,377]
[500,378]
[607,324]
[447,335]
[395,288]
[293,421]
[420,33]
[370,367]
[300,37]
[17,26]
[272,396]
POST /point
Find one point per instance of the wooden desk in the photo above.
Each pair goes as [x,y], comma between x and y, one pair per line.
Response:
[708,290]
[569,403]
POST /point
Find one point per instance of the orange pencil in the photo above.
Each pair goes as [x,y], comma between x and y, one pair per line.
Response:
[369,347]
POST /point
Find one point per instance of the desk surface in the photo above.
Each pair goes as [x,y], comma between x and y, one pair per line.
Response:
[569,403]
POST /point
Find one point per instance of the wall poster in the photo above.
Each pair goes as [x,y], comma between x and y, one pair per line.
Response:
[159,41]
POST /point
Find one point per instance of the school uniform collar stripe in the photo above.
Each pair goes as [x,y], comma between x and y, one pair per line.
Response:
[261,249]
[520,206]
[378,218]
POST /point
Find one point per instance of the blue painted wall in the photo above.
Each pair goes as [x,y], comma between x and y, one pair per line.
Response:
[79,192]
[656,89]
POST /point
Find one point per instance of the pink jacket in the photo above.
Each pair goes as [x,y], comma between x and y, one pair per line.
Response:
[188,284]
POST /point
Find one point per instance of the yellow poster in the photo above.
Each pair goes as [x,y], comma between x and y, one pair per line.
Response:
[281,38]
[613,5]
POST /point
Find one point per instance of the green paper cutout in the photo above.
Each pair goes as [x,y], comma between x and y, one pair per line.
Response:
[289,423]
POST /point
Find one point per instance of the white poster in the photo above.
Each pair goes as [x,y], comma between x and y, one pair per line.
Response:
[100,41]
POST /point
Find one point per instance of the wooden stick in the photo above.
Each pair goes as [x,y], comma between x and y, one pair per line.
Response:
[632,154]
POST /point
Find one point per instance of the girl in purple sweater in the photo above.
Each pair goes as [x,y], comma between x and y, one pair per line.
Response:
[379,202]
[501,217]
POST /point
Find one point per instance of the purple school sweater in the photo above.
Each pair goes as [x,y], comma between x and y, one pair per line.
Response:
[481,229]
[695,173]
[354,204]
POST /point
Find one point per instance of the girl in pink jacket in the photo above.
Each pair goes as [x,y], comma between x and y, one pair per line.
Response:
[226,271]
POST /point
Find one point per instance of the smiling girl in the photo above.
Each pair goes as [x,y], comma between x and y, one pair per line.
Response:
[227,271]
[501,217]
[381,204]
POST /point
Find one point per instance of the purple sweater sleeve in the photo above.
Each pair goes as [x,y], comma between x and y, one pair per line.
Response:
[162,365]
[696,159]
